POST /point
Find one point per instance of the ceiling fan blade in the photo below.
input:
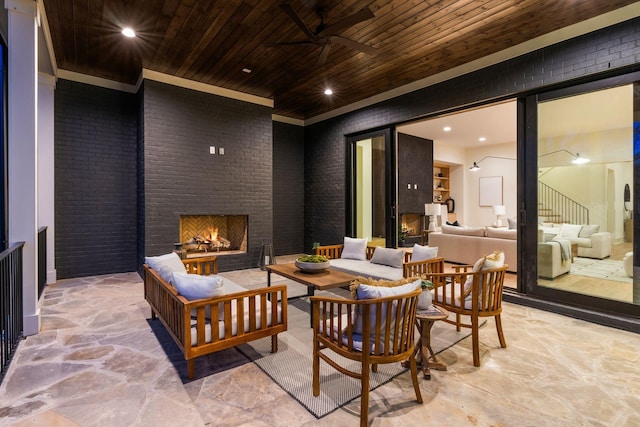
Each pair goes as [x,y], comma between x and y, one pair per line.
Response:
[299,22]
[346,22]
[324,53]
[295,43]
[369,50]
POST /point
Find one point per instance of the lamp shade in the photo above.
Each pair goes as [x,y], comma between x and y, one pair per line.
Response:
[432,209]
[499,210]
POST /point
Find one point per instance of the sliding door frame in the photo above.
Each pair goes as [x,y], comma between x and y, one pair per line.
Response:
[390,182]
[530,178]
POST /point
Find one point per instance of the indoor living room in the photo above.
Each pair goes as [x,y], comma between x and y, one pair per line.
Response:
[604,277]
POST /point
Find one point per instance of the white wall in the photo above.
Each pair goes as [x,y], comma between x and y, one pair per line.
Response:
[473,213]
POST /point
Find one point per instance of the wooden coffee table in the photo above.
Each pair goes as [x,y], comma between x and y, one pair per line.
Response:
[327,279]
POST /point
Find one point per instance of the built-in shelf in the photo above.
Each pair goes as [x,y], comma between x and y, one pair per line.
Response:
[441,183]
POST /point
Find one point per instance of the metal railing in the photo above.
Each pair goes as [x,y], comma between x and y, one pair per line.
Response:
[11,319]
[556,207]
[42,260]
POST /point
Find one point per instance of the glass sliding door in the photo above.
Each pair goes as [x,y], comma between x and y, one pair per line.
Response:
[371,203]
[585,216]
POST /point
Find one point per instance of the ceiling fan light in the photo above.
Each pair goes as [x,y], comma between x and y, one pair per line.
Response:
[474,167]
[328,91]
[128,32]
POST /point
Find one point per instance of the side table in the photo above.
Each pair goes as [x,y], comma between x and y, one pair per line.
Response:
[424,321]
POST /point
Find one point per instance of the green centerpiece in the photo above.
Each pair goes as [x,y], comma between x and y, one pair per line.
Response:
[312,263]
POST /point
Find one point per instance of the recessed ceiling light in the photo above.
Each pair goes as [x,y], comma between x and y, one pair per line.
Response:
[482,139]
[246,70]
[128,32]
[447,128]
[328,91]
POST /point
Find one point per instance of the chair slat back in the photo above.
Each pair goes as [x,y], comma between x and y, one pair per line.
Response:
[387,324]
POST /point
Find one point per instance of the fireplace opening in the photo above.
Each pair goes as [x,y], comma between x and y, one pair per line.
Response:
[212,234]
[412,224]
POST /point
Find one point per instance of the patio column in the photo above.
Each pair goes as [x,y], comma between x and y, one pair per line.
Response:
[22,142]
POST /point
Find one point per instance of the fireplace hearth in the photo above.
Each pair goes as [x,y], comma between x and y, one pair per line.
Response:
[219,234]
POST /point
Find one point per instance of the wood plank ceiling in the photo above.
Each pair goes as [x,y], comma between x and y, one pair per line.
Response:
[213,41]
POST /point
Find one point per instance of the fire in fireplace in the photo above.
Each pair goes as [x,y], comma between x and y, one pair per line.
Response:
[223,234]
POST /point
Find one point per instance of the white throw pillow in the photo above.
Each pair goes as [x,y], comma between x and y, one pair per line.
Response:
[388,256]
[421,253]
[588,230]
[491,261]
[195,286]
[513,223]
[570,231]
[166,265]
[370,292]
[354,248]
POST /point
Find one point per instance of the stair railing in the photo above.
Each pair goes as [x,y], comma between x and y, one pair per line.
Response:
[561,207]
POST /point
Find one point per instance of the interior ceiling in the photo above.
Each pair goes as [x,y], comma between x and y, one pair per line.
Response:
[213,41]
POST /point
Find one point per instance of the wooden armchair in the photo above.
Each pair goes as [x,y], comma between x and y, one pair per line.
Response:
[387,329]
[475,294]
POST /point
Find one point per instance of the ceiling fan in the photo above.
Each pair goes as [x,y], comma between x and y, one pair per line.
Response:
[325,34]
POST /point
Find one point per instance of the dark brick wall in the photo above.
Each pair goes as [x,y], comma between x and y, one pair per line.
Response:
[603,51]
[95,175]
[182,178]
[288,189]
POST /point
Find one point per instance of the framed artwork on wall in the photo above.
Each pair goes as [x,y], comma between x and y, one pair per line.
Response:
[490,190]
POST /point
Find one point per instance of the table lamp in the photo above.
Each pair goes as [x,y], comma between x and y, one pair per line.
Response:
[432,210]
[498,211]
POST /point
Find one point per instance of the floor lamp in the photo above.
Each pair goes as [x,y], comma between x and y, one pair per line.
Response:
[432,210]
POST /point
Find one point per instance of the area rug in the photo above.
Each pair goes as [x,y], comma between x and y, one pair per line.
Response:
[607,268]
[291,366]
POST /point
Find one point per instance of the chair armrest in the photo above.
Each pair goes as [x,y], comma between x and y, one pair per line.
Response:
[204,266]
[330,251]
[464,268]
[418,268]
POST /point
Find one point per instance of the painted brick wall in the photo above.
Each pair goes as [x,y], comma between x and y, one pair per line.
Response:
[181,177]
[325,153]
[288,189]
[95,174]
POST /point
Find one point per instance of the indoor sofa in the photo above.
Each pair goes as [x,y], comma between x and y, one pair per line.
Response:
[465,245]
[590,241]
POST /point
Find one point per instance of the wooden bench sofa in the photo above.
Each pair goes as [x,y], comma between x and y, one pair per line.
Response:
[366,269]
[242,316]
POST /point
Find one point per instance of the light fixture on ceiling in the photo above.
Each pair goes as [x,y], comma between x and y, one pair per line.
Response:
[577,158]
[128,32]
[328,91]
[475,166]
[246,70]
[482,139]
[447,128]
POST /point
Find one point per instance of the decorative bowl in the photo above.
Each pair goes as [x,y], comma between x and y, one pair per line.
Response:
[312,267]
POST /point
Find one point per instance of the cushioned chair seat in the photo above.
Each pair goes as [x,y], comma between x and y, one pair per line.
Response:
[366,269]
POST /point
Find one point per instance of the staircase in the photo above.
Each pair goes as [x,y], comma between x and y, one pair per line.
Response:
[555,207]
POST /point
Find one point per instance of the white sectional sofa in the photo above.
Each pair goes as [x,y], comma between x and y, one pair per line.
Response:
[550,262]
[592,243]
[465,245]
